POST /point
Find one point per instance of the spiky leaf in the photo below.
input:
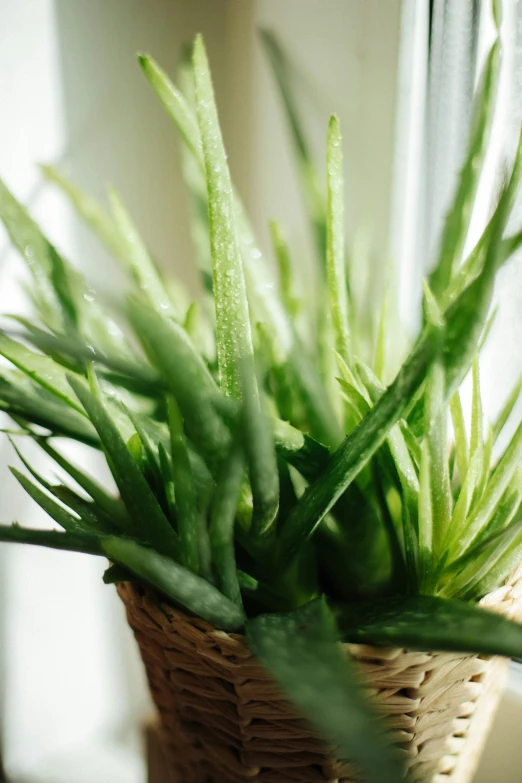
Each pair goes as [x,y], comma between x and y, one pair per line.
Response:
[301,652]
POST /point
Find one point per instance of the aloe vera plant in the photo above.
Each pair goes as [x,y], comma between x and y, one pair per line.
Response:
[271,481]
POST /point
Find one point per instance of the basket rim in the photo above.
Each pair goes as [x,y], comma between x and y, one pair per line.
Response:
[505,600]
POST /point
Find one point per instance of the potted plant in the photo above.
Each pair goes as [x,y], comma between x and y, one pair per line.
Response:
[316,574]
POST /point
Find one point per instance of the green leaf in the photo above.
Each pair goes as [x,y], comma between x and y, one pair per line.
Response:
[233,334]
[34,334]
[477,415]
[349,376]
[266,307]
[166,480]
[487,452]
[135,253]
[310,188]
[115,574]
[425,517]
[186,505]
[358,403]
[143,377]
[498,530]
[436,421]
[193,172]
[489,548]
[488,326]
[22,399]
[335,260]
[464,501]
[286,274]
[326,363]
[507,409]
[149,443]
[459,216]
[177,583]
[411,441]
[175,104]
[301,652]
[222,518]
[157,433]
[112,507]
[510,245]
[497,573]
[496,10]
[460,436]
[357,448]
[401,442]
[320,416]
[411,548]
[192,325]
[66,285]
[498,483]
[41,369]
[260,451]
[471,267]
[468,314]
[429,623]
[381,343]
[39,478]
[59,290]
[73,542]
[120,236]
[93,519]
[307,455]
[180,105]
[187,377]
[88,209]
[55,510]
[149,522]
[37,252]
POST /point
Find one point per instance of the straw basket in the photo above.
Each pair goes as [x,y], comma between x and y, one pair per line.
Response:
[224,721]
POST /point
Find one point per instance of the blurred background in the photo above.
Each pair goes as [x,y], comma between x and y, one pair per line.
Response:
[400,74]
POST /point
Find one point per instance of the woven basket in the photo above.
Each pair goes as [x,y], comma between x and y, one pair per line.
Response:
[224,721]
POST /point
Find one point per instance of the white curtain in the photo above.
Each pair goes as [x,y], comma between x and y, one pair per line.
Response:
[443,48]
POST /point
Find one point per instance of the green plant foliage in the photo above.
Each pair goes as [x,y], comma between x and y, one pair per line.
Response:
[301,651]
[335,260]
[174,581]
[233,337]
[267,464]
[222,520]
[309,178]
[429,623]
[459,215]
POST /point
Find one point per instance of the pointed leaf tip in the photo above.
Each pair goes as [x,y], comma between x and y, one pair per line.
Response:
[233,330]
[334,126]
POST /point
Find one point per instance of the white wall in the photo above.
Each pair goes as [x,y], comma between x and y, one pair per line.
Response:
[345,52]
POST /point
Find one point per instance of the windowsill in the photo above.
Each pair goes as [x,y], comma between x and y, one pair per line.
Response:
[502,758]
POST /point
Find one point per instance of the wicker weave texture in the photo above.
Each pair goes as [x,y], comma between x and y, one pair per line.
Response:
[224,720]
